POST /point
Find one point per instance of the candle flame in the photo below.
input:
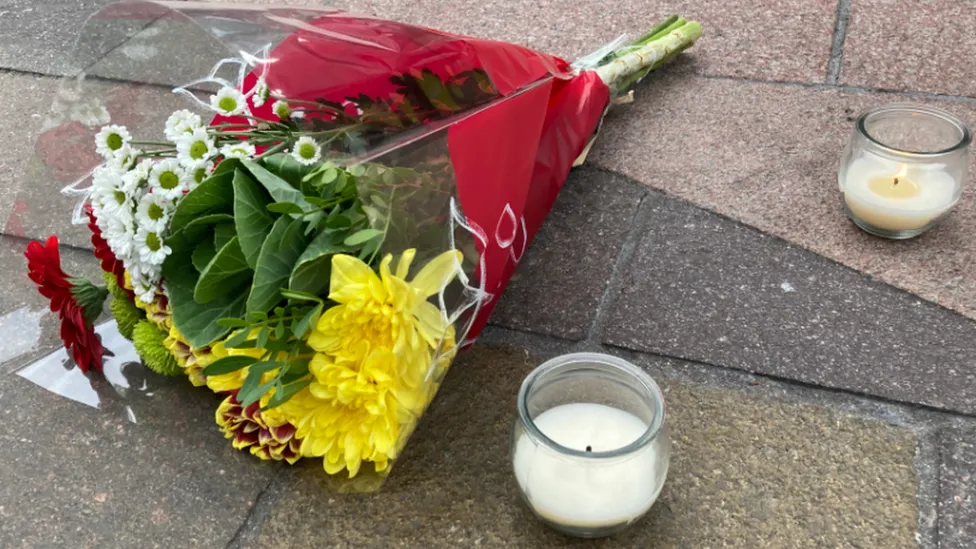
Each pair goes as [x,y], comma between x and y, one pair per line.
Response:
[902,172]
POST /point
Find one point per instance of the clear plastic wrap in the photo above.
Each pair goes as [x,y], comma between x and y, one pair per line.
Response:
[330,215]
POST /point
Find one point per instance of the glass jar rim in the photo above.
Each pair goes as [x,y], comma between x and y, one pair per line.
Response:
[640,376]
[933,112]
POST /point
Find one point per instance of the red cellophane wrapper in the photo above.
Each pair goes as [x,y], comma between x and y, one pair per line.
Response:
[458,144]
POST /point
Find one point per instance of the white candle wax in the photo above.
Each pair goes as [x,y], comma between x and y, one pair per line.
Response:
[588,492]
[928,192]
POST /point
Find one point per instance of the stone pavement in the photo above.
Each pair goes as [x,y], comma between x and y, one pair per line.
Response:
[821,383]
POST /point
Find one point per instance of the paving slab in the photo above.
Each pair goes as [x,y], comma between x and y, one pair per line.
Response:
[564,274]
[913,46]
[746,472]
[705,288]
[767,155]
[735,44]
[957,488]
[40,35]
[76,476]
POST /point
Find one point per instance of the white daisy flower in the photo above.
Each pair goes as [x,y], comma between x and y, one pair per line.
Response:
[114,203]
[153,212]
[297,115]
[168,179]
[120,236]
[260,93]
[125,158]
[150,246]
[180,123]
[106,177]
[228,102]
[200,174]
[136,178]
[306,151]
[242,149]
[111,139]
[195,148]
[282,109]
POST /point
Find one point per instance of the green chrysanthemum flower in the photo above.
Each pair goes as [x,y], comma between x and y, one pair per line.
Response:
[112,285]
[126,314]
[148,340]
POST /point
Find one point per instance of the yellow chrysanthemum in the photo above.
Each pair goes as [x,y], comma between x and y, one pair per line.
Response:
[193,361]
[374,352]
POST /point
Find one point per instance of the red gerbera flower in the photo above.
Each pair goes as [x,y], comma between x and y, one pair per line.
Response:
[77,301]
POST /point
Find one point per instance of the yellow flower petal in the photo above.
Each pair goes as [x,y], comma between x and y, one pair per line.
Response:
[437,273]
[403,266]
[349,277]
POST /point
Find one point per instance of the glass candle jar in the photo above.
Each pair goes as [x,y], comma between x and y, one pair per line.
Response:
[590,448]
[903,169]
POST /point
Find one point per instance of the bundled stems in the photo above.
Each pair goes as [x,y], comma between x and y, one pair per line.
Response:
[626,66]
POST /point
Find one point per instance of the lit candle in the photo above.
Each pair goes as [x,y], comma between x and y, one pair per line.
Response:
[589,493]
[897,197]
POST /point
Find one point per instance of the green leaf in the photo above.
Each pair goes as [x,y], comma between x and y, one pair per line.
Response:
[214,196]
[262,339]
[252,389]
[229,165]
[276,261]
[362,236]
[282,395]
[239,340]
[285,208]
[232,323]
[228,364]
[203,222]
[278,188]
[251,218]
[313,268]
[223,234]
[297,295]
[279,331]
[301,328]
[286,167]
[197,321]
[203,253]
[224,274]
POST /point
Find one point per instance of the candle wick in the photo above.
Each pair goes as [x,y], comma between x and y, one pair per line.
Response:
[589,448]
[896,181]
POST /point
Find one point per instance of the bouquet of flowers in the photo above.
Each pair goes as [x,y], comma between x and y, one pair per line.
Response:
[329,220]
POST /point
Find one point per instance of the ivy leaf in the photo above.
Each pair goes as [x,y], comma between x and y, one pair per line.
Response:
[279,253]
[224,274]
[227,165]
[203,222]
[228,364]
[279,189]
[285,393]
[203,253]
[362,236]
[197,321]
[251,218]
[286,167]
[214,196]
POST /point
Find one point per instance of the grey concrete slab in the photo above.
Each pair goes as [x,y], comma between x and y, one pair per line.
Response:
[746,472]
[564,274]
[957,489]
[40,35]
[705,288]
[77,476]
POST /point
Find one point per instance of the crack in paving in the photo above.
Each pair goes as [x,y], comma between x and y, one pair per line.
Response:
[250,529]
[836,63]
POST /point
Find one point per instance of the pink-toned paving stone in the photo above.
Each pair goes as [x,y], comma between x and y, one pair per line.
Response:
[767,155]
[910,45]
[791,41]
